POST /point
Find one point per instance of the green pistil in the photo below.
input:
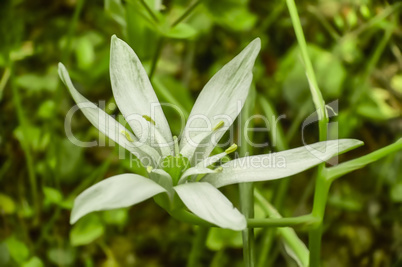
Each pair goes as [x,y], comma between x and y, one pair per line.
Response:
[175,166]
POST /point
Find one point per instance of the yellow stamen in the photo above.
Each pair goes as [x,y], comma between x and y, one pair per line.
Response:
[231,149]
[127,135]
[149,169]
[218,126]
[149,119]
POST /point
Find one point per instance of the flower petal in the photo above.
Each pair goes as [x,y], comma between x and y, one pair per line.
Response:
[162,178]
[107,124]
[195,144]
[202,167]
[223,96]
[133,91]
[194,171]
[211,205]
[279,165]
[119,191]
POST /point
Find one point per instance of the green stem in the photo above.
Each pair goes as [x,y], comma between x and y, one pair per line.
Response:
[372,62]
[314,238]
[25,146]
[187,13]
[322,187]
[164,92]
[349,166]
[278,141]
[247,208]
[323,21]
[377,19]
[246,190]
[198,247]
[71,29]
[321,193]
[156,57]
[4,80]
[149,10]
[303,111]
[315,91]
[288,234]
[282,222]
[265,246]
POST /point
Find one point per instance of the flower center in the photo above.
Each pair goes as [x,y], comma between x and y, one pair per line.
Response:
[175,166]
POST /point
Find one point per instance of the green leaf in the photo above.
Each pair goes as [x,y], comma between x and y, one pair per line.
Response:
[181,31]
[86,230]
[7,205]
[37,83]
[36,138]
[115,9]
[330,74]
[115,217]
[219,239]
[70,156]
[17,249]
[172,91]
[85,52]
[349,166]
[33,262]
[4,254]
[231,14]
[52,195]
[295,248]
[47,109]
[377,106]
[396,193]
[396,83]
[61,256]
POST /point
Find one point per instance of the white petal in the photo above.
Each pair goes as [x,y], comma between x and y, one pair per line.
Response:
[162,178]
[201,167]
[211,205]
[211,160]
[197,143]
[119,191]
[223,96]
[279,165]
[159,141]
[107,124]
[133,91]
[194,171]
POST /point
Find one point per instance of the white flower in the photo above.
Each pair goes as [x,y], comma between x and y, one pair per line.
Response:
[173,167]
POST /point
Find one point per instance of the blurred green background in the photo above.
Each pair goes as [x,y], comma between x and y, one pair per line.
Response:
[355,47]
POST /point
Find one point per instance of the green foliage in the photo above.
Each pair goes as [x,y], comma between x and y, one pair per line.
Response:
[86,230]
[355,54]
